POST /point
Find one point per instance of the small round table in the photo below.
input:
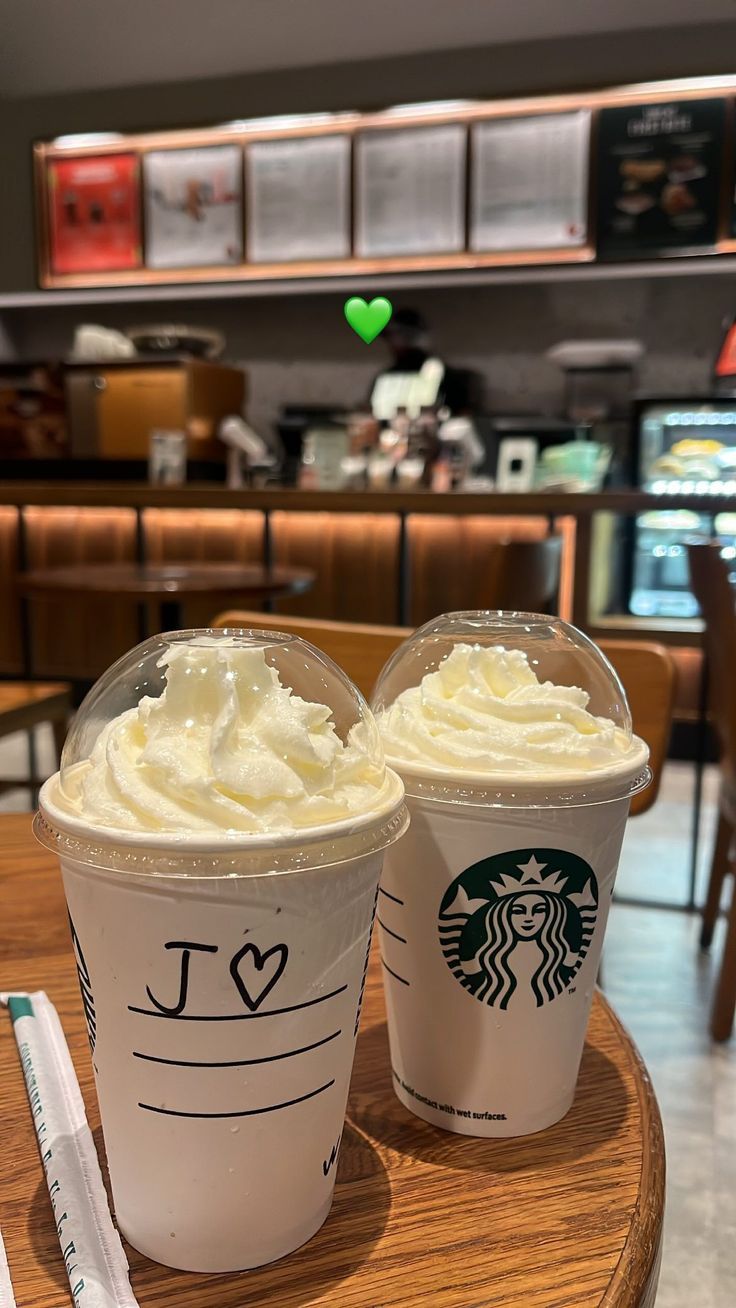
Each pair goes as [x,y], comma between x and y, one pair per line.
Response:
[422,1219]
[167,584]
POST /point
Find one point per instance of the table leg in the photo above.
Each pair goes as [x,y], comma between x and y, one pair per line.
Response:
[701,754]
[404,598]
[32,766]
[170,615]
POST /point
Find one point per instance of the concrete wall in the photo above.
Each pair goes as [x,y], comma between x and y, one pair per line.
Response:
[300,349]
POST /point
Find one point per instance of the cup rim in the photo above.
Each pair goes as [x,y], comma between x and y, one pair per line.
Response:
[573,790]
[236,853]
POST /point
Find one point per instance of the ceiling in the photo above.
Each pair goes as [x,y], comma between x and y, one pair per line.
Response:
[56,46]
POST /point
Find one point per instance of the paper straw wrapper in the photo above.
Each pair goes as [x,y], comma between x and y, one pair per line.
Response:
[7,1298]
[93,1254]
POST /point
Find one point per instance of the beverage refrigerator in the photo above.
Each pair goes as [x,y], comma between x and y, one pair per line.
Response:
[680,446]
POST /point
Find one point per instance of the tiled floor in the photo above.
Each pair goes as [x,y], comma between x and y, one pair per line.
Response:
[660,985]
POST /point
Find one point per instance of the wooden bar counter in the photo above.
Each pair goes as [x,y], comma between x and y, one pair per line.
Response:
[376,555]
[204,495]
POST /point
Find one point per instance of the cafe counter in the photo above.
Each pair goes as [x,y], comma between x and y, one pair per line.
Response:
[381,557]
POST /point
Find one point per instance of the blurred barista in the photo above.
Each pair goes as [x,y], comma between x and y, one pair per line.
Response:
[408,341]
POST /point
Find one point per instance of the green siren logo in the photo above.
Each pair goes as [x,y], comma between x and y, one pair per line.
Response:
[520,919]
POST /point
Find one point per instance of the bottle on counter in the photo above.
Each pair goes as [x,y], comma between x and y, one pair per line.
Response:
[460,450]
[393,440]
[422,450]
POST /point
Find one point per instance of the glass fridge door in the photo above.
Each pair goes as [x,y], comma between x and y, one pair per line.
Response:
[688,448]
[661,580]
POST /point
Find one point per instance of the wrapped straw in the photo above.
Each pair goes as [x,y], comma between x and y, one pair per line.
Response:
[7,1298]
[91,1247]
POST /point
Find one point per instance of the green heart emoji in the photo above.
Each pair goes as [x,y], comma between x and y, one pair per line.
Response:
[368,320]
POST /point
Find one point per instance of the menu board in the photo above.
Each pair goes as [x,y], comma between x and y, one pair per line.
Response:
[410,190]
[193,207]
[298,199]
[659,177]
[529,182]
[94,213]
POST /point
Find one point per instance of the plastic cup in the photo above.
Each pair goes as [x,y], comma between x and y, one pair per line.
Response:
[222,980]
[493,912]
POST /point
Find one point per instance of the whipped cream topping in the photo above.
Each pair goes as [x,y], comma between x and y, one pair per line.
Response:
[485,712]
[225,747]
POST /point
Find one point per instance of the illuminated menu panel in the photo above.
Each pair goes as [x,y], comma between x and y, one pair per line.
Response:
[659,176]
[529,182]
[298,199]
[410,185]
[193,201]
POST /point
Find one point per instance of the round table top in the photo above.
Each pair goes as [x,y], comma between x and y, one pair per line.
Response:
[568,1218]
[167,580]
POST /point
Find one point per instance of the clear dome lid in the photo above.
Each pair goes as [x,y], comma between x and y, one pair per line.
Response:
[234,750]
[509,708]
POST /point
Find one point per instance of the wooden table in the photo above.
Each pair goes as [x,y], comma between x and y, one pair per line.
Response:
[167,584]
[569,1218]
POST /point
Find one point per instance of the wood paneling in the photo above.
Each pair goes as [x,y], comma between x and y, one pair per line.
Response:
[199,536]
[455,562]
[356,560]
[11,654]
[82,641]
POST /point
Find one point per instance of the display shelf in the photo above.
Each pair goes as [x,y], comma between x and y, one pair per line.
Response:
[701,266]
[458,268]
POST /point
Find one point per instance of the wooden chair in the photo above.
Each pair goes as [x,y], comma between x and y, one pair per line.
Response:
[25,705]
[646,671]
[709,574]
[503,574]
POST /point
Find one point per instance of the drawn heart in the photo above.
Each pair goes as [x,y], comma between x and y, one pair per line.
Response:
[262,971]
[368,320]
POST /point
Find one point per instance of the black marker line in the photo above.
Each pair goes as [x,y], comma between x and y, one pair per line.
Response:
[388,896]
[402,979]
[402,939]
[234,1017]
[248,1112]
[246,1062]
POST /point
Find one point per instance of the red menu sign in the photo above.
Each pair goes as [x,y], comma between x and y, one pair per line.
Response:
[94,213]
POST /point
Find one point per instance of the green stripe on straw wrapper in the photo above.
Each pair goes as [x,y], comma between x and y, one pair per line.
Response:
[20,1006]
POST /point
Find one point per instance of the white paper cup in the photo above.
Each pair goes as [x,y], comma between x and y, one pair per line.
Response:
[221,968]
[223,1011]
[514,739]
[491,927]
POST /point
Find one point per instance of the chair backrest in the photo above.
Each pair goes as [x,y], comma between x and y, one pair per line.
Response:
[646,670]
[359,649]
[504,574]
[711,583]
[523,574]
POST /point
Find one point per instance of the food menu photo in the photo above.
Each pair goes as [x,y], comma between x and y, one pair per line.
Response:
[193,207]
[659,177]
[94,218]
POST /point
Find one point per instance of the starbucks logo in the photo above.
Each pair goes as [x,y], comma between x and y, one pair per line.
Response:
[516,920]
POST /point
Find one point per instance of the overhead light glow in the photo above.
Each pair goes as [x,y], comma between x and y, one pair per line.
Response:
[428,107]
[79,139]
[283,120]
